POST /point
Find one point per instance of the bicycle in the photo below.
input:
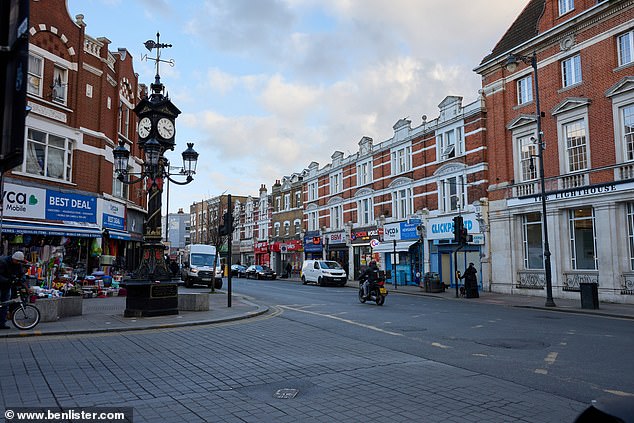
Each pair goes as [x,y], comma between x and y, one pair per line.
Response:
[22,314]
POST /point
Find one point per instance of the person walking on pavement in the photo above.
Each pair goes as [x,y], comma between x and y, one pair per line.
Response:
[10,270]
[289,269]
[369,275]
[471,281]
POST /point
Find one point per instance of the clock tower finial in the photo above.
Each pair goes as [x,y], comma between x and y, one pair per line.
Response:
[157,87]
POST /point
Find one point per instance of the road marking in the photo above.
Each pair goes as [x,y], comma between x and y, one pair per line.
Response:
[343,320]
[439,345]
[477,326]
[551,357]
[550,360]
[479,355]
[619,393]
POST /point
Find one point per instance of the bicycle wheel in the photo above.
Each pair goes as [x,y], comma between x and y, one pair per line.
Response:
[26,317]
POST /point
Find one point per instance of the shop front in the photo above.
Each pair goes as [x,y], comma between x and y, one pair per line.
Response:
[289,251]
[443,257]
[401,252]
[337,249]
[247,256]
[115,237]
[313,246]
[261,253]
[54,229]
[360,240]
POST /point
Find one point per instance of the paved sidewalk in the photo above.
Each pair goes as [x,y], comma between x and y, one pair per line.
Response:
[106,314]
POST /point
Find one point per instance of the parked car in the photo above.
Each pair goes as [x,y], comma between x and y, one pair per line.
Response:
[238,270]
[260,272]
[323,272]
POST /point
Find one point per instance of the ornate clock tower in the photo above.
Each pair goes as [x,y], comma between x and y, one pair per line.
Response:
[151,291]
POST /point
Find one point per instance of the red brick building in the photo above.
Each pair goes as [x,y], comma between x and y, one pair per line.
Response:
[403,194]
[584,54]
[81,96]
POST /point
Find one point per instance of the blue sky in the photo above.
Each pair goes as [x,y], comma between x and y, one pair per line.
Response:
[267,86]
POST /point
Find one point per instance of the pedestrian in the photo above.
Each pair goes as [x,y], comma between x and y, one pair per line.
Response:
[10,271]
[289,269]
[471,281]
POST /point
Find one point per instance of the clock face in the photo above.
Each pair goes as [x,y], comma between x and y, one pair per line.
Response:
[145,126]
[165,128]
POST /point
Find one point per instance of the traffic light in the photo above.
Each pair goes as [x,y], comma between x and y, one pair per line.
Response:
[227,227]
[14,62]
[458,226]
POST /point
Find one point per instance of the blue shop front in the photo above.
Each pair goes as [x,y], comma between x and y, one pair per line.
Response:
[401,252]
[443,258]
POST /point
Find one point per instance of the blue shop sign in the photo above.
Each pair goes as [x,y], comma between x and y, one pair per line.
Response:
[312,242]
[70,207]
[408,231]
[400,231]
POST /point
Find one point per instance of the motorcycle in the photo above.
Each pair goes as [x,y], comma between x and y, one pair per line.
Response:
[376,291]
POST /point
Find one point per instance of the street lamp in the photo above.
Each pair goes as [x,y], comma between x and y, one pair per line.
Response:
[156,168]
[511,65]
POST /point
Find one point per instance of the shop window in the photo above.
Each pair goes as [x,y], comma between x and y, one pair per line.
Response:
[532,240]
[583,239]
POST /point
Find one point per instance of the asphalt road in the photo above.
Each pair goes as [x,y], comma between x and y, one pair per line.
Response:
[321,356]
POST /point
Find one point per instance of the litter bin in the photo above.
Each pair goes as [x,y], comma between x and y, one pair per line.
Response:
[589,295]
[432,282]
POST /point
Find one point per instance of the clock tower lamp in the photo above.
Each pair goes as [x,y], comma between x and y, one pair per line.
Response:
[151,291]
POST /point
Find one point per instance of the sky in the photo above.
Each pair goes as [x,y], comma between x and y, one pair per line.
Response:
[266,87]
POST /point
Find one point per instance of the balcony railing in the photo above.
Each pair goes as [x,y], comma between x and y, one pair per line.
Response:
[575,180]
[622,172]
[625,171]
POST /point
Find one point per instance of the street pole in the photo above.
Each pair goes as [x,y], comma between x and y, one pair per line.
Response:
[540,144]
[229,242]
[394,262]
[511,65]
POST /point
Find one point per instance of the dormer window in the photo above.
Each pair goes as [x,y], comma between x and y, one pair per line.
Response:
[566,6]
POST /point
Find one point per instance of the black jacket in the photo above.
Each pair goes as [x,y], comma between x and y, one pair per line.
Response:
[371,273]
[9,271]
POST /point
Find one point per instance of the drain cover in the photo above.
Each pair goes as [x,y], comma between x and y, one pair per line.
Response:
[286,393]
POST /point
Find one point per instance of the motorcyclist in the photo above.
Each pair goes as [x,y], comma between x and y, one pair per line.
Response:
[369,276]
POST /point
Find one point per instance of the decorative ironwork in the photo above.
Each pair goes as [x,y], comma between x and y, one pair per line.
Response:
[627,284]
[573,279]
[531,279]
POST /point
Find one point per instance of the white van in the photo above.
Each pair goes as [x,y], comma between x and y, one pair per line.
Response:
[198,266]
[323,272]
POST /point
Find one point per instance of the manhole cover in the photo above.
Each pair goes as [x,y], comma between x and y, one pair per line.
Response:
[286,393]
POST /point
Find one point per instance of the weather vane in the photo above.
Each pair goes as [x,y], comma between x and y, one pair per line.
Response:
[151,44]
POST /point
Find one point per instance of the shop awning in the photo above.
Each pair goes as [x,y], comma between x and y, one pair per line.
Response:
[80,229]
[115,234]
[388,247]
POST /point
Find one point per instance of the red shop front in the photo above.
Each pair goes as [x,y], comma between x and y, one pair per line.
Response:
[261,251]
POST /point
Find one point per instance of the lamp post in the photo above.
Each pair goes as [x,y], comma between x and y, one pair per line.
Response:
[156,169]
[511,66]
[153,267]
